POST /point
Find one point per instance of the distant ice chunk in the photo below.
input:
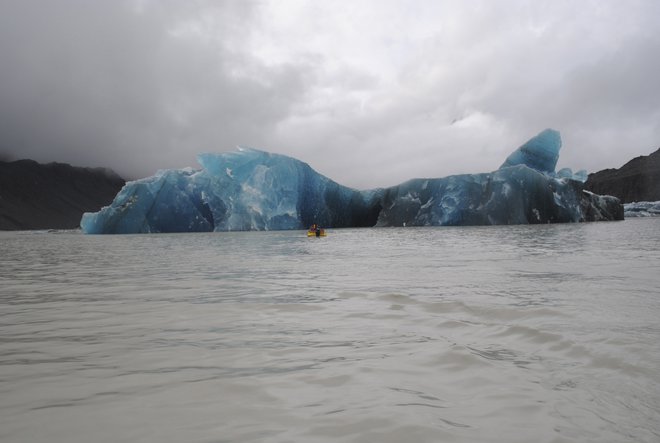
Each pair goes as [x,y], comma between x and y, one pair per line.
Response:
[642,209]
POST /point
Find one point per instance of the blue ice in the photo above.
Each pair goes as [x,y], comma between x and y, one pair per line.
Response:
[255,190]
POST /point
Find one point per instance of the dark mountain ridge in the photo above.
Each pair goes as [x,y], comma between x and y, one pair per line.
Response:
[638,180]
[53,195]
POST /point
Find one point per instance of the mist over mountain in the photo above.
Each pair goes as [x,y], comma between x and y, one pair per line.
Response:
[53,195]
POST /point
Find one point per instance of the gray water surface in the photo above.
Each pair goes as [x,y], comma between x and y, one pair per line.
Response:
[474,334]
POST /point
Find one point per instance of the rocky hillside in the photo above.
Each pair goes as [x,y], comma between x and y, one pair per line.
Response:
[52,196]
[637,180]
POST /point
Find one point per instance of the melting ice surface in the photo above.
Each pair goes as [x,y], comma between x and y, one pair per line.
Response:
[255,190]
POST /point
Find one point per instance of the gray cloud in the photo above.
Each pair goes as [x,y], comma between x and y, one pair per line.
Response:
[99,82]
[368,94]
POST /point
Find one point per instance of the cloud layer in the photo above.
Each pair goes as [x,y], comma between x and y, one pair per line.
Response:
[369,93]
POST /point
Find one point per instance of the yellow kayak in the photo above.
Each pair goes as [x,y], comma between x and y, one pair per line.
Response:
[321,233]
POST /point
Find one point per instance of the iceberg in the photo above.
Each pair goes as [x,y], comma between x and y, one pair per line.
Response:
[250,189]
[642,209]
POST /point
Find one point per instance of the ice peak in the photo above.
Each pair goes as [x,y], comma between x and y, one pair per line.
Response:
[540,152]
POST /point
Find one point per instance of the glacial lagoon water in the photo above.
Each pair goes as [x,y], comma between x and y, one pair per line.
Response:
[544,333]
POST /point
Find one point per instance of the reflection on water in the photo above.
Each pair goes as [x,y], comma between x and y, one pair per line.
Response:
[490,334]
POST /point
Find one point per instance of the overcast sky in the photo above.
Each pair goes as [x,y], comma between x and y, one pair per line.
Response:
[369,93]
